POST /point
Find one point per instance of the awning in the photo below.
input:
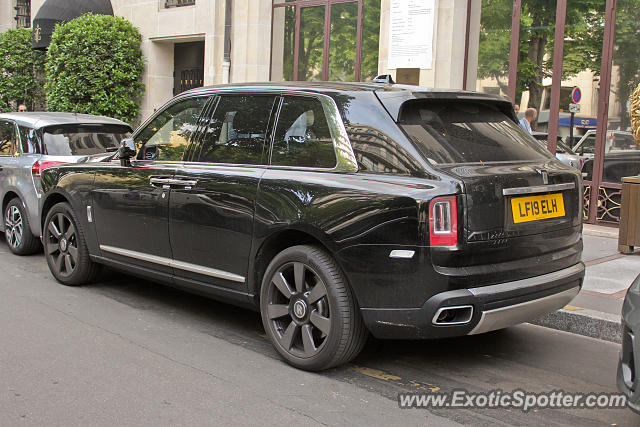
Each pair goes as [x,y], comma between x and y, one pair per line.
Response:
[55,11]
[579,122]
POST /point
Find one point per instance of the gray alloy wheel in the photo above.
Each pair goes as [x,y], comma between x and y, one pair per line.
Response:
[308,310]
[61,244]
[17,231]
[13,228]
[65,248]
[298,309]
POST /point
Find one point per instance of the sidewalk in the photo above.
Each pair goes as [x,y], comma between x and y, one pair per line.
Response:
[595,312]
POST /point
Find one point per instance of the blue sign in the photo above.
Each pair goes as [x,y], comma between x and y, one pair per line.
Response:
[579,122]
[576,95]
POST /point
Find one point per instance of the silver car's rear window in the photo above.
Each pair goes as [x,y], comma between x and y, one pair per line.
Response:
[82,140]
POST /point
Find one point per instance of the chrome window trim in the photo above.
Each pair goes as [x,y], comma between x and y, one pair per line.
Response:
[538,189]
[181,265]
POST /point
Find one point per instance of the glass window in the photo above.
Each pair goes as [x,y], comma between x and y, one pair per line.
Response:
[302,135]
[83,139]
[377,153]
[30,140]
[168,134]
[467,132]
[7,138]
[238,130]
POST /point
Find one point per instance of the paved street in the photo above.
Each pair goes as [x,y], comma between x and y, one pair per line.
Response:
[127,351]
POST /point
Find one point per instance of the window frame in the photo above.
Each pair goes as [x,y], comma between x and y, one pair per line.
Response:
[345,158]
[212,107]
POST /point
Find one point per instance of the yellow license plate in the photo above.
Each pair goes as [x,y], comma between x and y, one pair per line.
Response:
[534,208]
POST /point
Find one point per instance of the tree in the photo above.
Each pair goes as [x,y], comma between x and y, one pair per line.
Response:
[21,71]
[583,45]
[625,57]
[94,66]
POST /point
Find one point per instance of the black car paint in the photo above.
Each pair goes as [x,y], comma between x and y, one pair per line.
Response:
[358,217]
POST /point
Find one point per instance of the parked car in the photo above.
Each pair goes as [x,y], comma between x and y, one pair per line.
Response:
[563,153]
[617,164]
[628,364]
[30,142]
[617,140]
[335,209]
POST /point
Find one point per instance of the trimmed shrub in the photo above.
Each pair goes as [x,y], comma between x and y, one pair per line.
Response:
[21,71]
[94,66]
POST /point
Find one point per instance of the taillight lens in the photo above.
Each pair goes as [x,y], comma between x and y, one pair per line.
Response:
[443,221]
[39,166]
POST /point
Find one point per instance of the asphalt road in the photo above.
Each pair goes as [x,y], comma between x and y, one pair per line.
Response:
[130,352]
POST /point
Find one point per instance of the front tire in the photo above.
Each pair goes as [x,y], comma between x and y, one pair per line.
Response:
[17,230]
[308,310]
[65,247]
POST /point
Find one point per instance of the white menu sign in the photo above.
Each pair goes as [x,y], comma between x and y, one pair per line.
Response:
[411,34]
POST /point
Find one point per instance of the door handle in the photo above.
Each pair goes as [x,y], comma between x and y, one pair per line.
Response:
[1,168]
[161,181]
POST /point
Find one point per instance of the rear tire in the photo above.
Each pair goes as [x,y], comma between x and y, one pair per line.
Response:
[17,230]
[65,247]
[308,310]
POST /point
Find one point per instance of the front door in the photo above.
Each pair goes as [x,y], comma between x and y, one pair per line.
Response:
[130,203]
[211,215]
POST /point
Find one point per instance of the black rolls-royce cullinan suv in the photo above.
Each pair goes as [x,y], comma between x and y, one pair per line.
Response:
[336,209]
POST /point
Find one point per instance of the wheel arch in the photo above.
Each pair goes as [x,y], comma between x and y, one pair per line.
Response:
[275,243]
[50,201]
[8,196]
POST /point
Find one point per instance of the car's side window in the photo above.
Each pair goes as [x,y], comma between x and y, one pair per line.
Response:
[166,137]
[302,135]
[7,138]
[238,130]
[30,140]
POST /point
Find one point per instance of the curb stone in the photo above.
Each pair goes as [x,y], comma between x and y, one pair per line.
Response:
[589,323]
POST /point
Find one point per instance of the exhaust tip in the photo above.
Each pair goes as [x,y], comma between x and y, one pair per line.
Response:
[457,315]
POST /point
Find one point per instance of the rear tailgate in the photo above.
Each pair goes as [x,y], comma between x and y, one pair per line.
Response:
[522,207]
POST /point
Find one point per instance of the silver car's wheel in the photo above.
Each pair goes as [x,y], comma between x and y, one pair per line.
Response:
[17,231]
[13,229]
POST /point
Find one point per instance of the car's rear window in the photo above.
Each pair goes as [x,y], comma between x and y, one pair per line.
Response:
[467,132]
[82,140]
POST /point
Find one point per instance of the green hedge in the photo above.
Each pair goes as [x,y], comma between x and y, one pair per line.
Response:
[94,65]
[21,71]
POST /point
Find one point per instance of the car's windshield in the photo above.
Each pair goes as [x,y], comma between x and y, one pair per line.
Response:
[82,139]
[467,132]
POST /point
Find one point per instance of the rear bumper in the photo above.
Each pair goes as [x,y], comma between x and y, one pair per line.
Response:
[494,307]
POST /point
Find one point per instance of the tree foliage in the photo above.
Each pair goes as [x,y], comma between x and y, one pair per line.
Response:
[21,71]
[94,65]
[582,49]
[625,55]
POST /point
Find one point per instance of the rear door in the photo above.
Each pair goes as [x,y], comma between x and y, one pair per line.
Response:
[212,203]
[131,204]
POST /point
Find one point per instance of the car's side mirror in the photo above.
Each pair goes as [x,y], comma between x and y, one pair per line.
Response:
[126,151]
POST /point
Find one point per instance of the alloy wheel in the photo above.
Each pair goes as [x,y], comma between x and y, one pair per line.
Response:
[61,244]
[13,228]
[298,309]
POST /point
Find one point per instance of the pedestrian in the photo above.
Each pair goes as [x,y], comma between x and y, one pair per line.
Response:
[530,115]
[22,108]
[516,108]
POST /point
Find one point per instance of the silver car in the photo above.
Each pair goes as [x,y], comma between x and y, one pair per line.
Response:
[31,142]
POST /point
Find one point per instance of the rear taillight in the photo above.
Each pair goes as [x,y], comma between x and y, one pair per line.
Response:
[443,221]
[39,166]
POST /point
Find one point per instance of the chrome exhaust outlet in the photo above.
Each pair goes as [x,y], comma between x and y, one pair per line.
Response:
[457,315]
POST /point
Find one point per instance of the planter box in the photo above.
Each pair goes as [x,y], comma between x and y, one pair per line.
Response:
[630,215]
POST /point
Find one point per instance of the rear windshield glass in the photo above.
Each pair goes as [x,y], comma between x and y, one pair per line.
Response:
[467,132]
[82,140]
